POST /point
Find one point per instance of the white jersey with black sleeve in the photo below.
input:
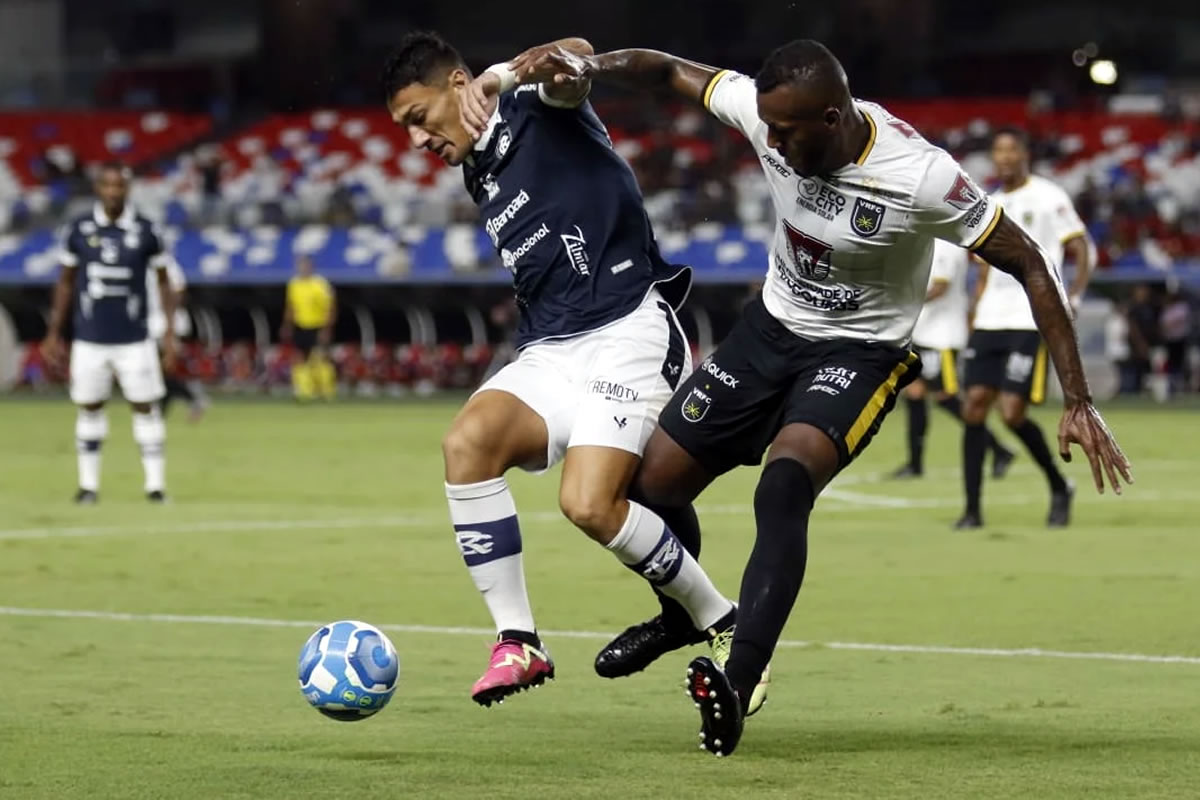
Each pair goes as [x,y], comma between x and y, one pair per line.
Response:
[851,251]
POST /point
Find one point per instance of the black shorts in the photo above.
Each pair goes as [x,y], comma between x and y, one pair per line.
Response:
[763,377]
[939,368]
[305,340]
[1012,361]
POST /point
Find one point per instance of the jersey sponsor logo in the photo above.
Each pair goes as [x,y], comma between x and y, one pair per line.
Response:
[976,214]
[503,143]
[475,543]
[718,373]
[820,199]
[496,224]
[104,280]
[613,391]
[962,195]
[821,298]
[774,164]
[576,247]
[87,227]
[510,257]
[867,217]
[822,387]
[810,255]
[695,406]
[110,251]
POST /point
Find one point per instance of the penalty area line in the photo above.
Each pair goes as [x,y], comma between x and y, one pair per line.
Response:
[439,630]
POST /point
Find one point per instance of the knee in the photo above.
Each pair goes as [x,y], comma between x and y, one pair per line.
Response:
[975,408]
[141,408]
[469,452]
[599,517]
[1013,417]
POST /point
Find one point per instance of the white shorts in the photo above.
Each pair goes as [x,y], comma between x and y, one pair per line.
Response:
[604,388]
[135,366]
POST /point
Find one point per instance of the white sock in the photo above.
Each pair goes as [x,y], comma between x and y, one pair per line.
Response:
[489,537]
[91,428]
[646,545]
[150,433]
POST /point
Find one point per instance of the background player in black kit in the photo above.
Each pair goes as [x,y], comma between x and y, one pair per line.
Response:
[600,349]
[106,256]
[812,403]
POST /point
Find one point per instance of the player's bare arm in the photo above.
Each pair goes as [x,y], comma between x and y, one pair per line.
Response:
[478,97]
[938,289]
[634,69]
[1010,249]
[169,304]
[52,346]
[1079,252]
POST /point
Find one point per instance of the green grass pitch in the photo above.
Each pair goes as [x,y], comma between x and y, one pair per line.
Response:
[284,514]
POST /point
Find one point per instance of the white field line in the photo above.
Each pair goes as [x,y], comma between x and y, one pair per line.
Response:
[833,500]
[438,630]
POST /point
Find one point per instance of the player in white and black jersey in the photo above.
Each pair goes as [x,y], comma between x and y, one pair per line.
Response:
[811,369]
[1006,357]
[939,335]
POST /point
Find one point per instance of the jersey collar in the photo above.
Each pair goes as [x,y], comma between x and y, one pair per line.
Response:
[866,151]
[125,221]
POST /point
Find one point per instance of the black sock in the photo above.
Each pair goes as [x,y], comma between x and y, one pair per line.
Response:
[528,637]
[918,423]
[686,527]
[176,388]
[782,503]
[974,447]
[953,406]
[1035,441]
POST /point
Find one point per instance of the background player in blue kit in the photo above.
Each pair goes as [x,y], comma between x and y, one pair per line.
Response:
[600,350]
[105,258]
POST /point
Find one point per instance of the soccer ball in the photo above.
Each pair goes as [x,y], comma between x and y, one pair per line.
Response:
[348,670]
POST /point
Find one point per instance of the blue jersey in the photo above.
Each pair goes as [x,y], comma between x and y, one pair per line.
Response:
[111,261]
[566,215]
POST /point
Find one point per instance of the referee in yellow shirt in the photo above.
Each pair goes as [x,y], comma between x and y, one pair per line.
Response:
[308,318]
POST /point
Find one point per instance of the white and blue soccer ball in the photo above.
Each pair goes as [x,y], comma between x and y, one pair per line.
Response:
[348,670]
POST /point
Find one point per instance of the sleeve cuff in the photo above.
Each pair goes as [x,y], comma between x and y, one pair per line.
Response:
[987,232]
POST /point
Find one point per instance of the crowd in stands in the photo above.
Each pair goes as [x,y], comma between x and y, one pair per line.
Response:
[1136,179]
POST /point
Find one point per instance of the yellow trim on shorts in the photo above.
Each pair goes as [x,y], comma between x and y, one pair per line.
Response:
[949,373]
[875,405]
[712,84]
[1037,392]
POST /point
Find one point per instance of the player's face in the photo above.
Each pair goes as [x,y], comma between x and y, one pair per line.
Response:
[112,188]
[800,127]
[432,117]
[1010,158]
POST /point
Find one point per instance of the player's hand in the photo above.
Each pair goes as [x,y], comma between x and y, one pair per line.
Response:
[475,103]
[170,353]
[1082,425]
[551,63]
[54,352]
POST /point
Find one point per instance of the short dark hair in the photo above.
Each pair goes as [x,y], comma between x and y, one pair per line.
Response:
[1020,134]
[799,60]
[120,167]
[422,57]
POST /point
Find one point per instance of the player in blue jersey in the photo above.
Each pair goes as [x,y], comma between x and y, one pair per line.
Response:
[600,351]
[105,258]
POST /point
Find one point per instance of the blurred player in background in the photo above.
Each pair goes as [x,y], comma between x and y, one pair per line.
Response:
[106,256]
[940,332]
[599,350]
[810,370]
[309,314]
[181,326]
[1006,355]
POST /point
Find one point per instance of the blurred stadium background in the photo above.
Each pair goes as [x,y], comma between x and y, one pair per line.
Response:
[256,132]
